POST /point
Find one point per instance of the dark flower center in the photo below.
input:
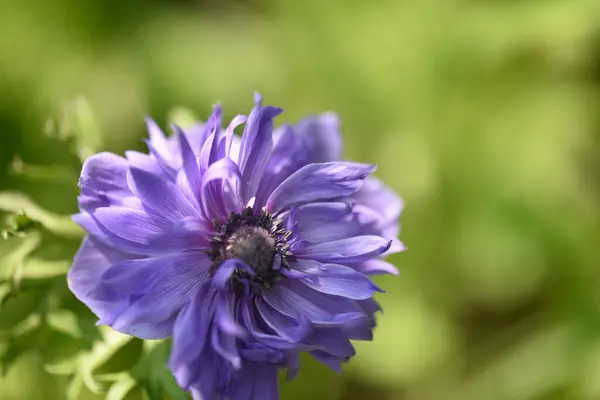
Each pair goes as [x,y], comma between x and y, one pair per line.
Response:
[259,241]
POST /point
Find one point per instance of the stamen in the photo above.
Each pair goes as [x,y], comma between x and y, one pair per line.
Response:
[257,240]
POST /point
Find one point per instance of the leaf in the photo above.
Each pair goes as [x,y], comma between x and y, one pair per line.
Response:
[64,321]
[14,202]
[121,388]
[36,268]
[80,123]
[13,262]
[100,354]
[45,173]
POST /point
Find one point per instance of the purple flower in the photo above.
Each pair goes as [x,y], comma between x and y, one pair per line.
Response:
[246,251]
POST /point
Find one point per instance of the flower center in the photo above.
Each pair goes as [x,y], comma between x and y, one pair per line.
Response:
[259,241]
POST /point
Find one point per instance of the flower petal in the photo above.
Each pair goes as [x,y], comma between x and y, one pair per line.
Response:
[103,181]
[256,146]
[375,266]
[292,298]
[83,279]
[337,280]
[383,201]
[190,334]
[316,182]
[349,250]
[133,225]
[160,195]
[166,298]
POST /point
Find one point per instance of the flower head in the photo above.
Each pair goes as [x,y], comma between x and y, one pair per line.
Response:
[246,251]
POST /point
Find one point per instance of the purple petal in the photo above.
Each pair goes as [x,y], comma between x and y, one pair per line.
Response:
[324,222]
[334,341]
[375,267]
[162,196]
[91,261]
[293,330]
[343,251]
[265,383]
[316,182]
[166,298]
[291,298]
[157,138]
[375,195]
[142,275]
[190,164]
[224,169]
[190,334]
[329,360]
[103,181]
[256,146]
[145,162]
[313,140]
[133,225]
[337,280]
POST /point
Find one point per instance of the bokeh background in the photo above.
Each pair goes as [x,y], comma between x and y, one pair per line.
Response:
[483,114]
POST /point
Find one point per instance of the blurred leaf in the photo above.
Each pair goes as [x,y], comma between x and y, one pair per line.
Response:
[45,173]
[79,122]
[64,321]
[13,263]
[13,202]
[121,388]
[38,268]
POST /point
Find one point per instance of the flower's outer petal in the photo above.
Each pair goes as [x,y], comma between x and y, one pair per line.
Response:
[335,342]
[328,221]
[145,162]
[375,266]
[166,298]
[349,250]
[145,237]
[291,330]
[384,201]
[141,276]
[103,181]
[322,132]
[91,261]
[160,195]
[257,381]
[337,280]
[190,334]
[190,165]
[133,225]
[256,147]
[315,182]
[196,135]
[187,234]
[205,378]
[158,141]
[314,139]
[333,362]
[291,298]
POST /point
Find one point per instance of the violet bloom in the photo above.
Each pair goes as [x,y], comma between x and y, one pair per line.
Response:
[246,251]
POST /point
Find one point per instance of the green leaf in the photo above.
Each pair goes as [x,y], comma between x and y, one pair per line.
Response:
[14,202]
[79,122]
[64,321]
[37,268]
[121,388]
[13,262]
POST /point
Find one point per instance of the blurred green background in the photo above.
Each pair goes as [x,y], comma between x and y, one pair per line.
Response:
[483,114]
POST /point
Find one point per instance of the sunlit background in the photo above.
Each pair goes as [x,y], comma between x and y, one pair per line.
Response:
[483,114]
